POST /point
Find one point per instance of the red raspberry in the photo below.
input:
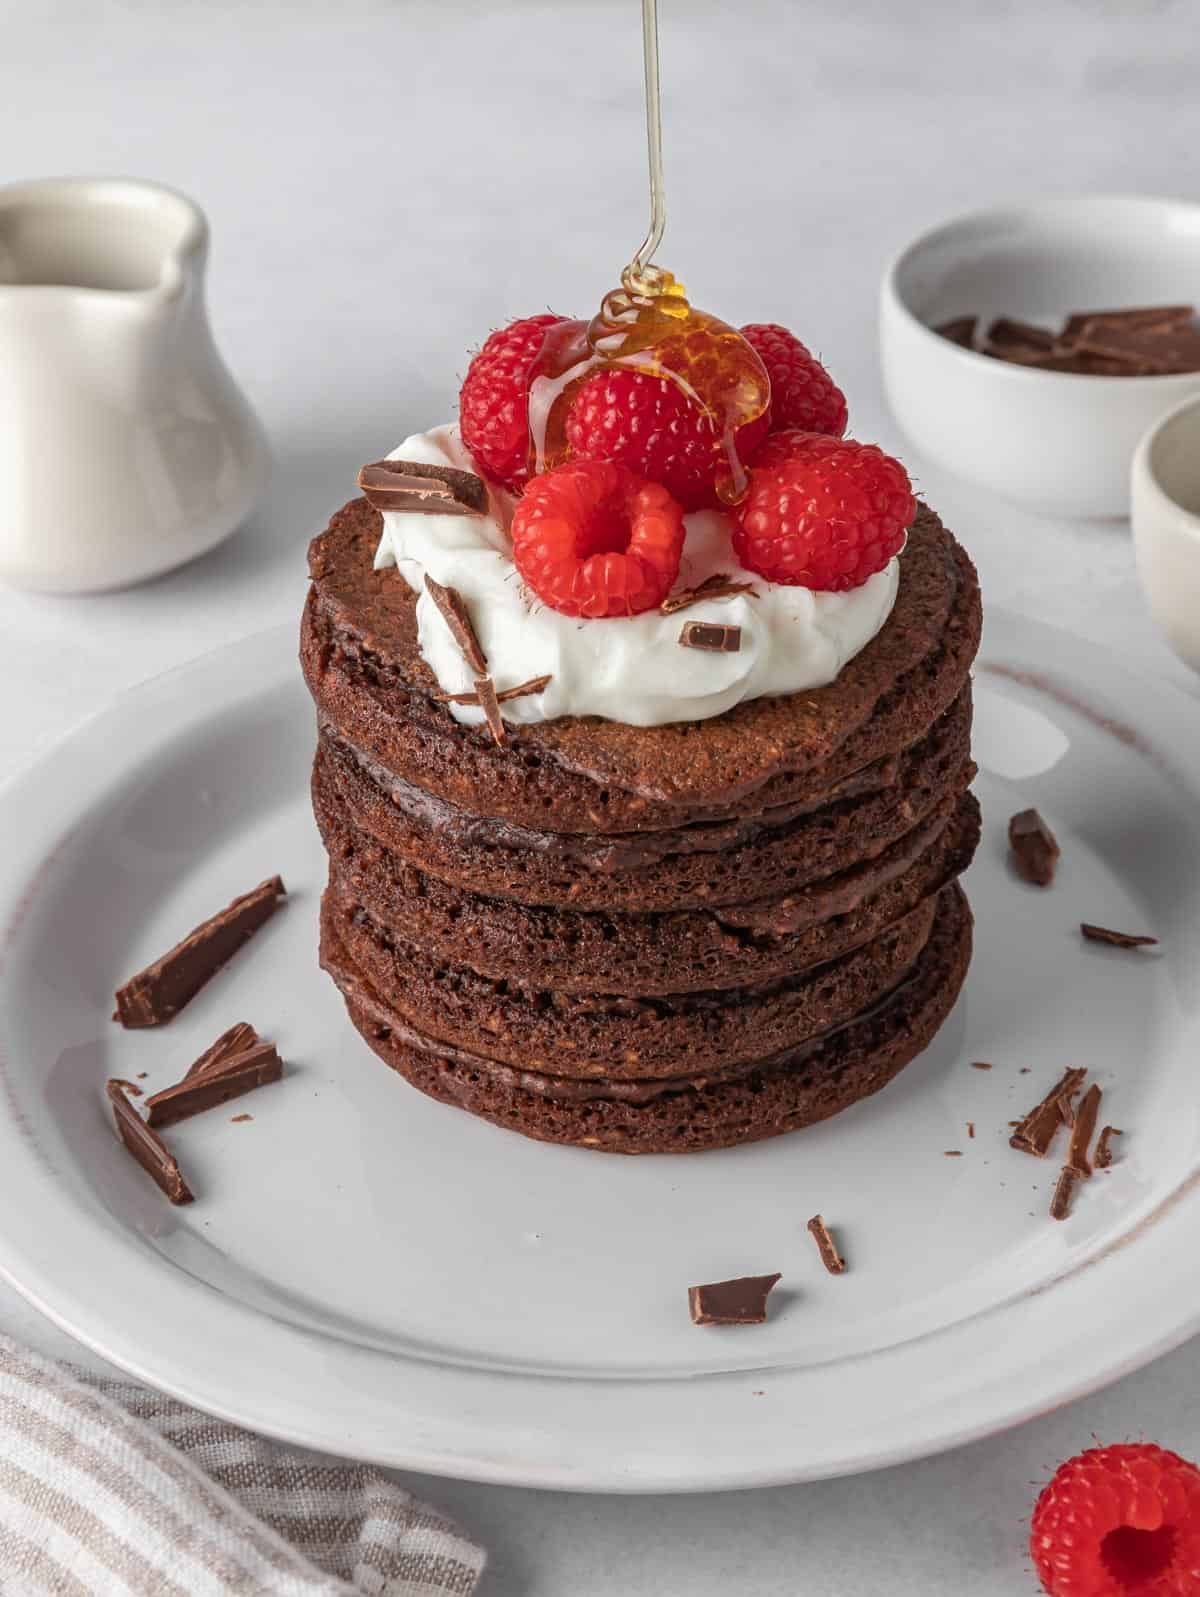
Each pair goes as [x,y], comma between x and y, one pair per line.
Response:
[591,539]
[493,403]
[822,513]
[803,394]
[1118,1520]
[650,425]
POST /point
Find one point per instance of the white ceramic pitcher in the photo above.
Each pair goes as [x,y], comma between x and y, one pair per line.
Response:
[125,446]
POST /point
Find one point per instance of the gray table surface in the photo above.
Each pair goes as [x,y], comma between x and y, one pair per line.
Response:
[388,181]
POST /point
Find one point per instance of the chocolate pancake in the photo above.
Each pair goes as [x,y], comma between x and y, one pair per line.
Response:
[644,955]
[752,1101]
[619,1038]
[709,863]
[362,662]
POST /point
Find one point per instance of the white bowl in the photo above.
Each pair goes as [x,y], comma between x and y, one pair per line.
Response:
[1055,441]
[1166,526]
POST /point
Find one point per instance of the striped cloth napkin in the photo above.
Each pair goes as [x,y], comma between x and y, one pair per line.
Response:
[110,1490]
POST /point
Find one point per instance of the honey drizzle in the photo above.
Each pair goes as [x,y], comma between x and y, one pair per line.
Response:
[648,325]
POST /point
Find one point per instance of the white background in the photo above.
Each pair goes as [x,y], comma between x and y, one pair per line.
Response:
[386,183]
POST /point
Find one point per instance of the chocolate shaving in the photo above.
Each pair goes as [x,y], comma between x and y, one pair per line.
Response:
[256,1067]
[485,690]
[826,1246]
[959,330]
[714,636]
[1103,1156]
[718,586]
[1037,1130]
[523,690]
[147,1147]
[1034,847]
[740,1302]
[1081,1133]
[155,995]
[453,610]
[1101,934]
[415,486]
[1064,1192]
[235,1041]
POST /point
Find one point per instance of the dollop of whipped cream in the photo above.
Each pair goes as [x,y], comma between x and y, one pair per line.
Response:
[626,668]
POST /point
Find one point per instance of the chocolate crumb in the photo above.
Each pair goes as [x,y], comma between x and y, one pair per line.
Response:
[719,586]
[157,994]
[453,610]
[1025,1070]
[739,1302]
[1037,1130]
[485,690]
[1034,848]
[1064,1192]
[129,1086]
[712,636]
[142,1074]
[954,1153]
[415,485]
[826,1246]
[147,1147]
[980,1064]
[1101,934]
[970,1128]
[1103,1156]
[237,1120]
[1081,1132]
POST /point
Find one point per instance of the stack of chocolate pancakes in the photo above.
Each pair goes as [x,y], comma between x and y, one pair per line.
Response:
[645,939]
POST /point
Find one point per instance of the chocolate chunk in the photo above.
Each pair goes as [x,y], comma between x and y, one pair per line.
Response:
[1034,847]
[523,690]
[1006,333]
[454,613]
[830,1257]
[740,1302]
[1172,351]
[240,1074]
[717,586]
[1040,1126]
[228,1045]
[711,635]
[147,1147]
[1064,1192]
[1081,1133]
[155,995]
[959,330]
[432,489]
[485,692]
[1102,934]
[1146,318]
[1103,1157]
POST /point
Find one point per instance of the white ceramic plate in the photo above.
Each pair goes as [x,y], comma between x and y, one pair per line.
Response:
[367,1272]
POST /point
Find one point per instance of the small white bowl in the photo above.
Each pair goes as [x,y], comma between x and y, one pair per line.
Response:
[1055,441]
[1166,526]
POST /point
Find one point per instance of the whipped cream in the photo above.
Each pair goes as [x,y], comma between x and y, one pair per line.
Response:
[627,668]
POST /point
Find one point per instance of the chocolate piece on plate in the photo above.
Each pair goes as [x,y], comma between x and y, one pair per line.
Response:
[453,609]
[239,1074]
[431,489]
[739,1302]
[230,1043]
[1082,1128]
[826,1246]
[1102,934]
[1103,1156]
[147,1147]
[1064,1192]
[1034,847]
[713,636]
[1040,1126]
[959,330]
[155,995]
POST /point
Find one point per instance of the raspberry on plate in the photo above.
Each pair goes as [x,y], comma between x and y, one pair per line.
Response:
[649,424]
[803,394]
[1120,1520]
[592,539]
[823,513]
[493,403]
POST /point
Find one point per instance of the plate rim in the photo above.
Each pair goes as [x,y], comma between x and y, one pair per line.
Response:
[508,1447]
